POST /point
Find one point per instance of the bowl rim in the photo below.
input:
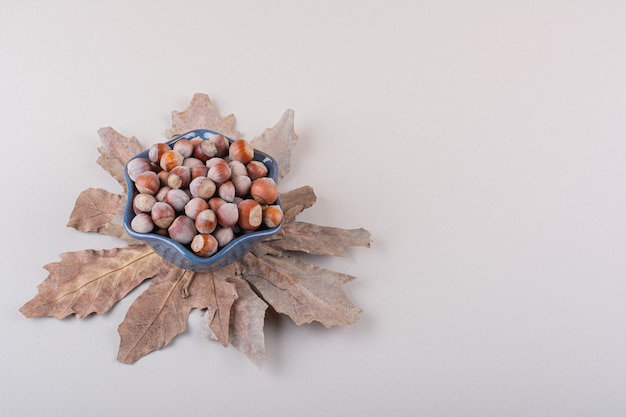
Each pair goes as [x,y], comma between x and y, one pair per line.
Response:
[153,239]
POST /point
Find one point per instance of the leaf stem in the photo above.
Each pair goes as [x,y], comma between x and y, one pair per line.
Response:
[186,280]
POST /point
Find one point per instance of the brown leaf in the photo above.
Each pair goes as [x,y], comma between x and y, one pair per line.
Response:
[278,142]
[319,240]
[162,311]
[265,248]
[93,209]
[201,114]
[119,146]
[221,295]
[301,290]
[295,201]
[97,210]
[113,166]
[91,281]
[246,322]
[155,317]
[115,151]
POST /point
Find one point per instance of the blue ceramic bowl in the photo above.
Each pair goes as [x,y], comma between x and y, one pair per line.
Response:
[181,255]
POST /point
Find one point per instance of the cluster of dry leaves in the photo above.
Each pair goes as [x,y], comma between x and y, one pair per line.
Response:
[234,298]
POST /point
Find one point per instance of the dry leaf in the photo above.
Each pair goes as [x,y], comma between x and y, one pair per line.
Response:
[221,295]
[246,322]
[97,210]
[295,201]
[119,146]
[201,114]
[113,166]
[155,317]
[162,311]
[92,281]
[301,290]
[115,151]
[278,142]
[319,240]
[93,209]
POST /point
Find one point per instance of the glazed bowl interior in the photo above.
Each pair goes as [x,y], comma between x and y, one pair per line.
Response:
[179,254]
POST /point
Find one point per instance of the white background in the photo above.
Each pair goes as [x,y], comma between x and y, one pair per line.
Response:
[482,143]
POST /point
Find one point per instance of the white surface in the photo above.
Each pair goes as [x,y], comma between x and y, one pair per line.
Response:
[482,143]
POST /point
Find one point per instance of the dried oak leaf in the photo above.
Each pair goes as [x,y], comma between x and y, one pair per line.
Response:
[278,142]
[162,311]
[97,210]
[93,209]
[299,199]
[246,322]
[302,291]
[113,166]
[201,114]
[319,240]
[92,281]
[115,152]
[221,293]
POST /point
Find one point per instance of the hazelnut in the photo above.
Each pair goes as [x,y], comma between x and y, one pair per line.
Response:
[162,214]
[219,171]
[199,171]
[264,190]
[208,149]
[221,145]
[148,182]
[195,206]
[195,140]
[202,187]
[204,244]
[160,196]
[183,147]
[226,191]
[224,235]
[213,161]
[177,198]
[256,169]
[242,185]
[156,151]
[161,232]
[137,166]
[250,214]
[199,153]
[206,221]
[179,177]
[142,223]
[237,169]
[170,159]
[241,150]
[163,175]
[192,162]
[272,216]
[215,203]
[182,229]
[227,214]
[143,202]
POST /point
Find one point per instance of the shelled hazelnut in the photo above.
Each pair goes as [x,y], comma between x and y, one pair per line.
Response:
[203,193]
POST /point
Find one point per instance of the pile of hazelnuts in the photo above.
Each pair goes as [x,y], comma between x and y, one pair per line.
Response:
[202,193]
